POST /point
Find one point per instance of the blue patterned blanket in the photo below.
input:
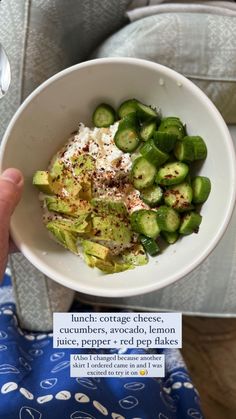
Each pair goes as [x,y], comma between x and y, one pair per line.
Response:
[35,380]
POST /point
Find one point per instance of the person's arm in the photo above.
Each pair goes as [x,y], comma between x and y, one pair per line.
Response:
[11,185]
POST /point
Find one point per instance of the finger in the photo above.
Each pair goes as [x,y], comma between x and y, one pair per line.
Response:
[11,184]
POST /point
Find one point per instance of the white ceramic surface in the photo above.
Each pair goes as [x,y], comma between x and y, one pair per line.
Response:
[46,119]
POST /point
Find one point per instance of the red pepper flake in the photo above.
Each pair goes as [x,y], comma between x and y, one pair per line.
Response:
[86,148]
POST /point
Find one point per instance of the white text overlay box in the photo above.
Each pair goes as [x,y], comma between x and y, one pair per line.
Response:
[115,365]
[117,330]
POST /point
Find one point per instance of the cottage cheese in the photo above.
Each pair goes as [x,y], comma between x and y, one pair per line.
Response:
[99,143]
[112,166]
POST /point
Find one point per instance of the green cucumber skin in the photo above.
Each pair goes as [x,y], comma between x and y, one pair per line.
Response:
[171,120]
[147,130]
[184,151]
[201,186]
[138,176]
[179,197]
[190,223]
[146,113]
[152,195]
[128,144]
[151,153]
[170,238]
[168,219]
[199,146]
[129,121]
[137,223]
[150,245]
[103,116]
[164,141]
[127,107]
[167,175]
[173,126]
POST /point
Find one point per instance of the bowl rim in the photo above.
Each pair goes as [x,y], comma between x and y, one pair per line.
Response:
[146,288]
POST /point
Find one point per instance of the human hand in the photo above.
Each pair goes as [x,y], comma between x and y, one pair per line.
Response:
[11,185]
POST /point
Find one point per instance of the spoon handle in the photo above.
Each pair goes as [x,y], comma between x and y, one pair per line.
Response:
[5,72]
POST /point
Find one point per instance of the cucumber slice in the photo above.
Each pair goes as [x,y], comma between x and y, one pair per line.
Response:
[201,186]
[151,153]
[171,120]
[179,197]
[187,179]
[173,126]
[199,146]
[143,173]
[184,151]
[190,223]
[145,222]
[170,237]
[127,107]
[164,141]
[146,113]
[168,219]
[175,130]
[172,173]
[150,245]
[147,130]
[103,116]
[152,195]
[129,121]
[126,139]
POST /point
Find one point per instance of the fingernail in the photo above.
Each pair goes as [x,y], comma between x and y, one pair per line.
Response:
[12,175]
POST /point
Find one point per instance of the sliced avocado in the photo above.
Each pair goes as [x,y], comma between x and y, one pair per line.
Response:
[111,228]
[136,256]
[57,168]
[108,267]
[102,205]
[70,184]
[85,192]
[68,207]
[95,249]
[90,260]
[43,181]
[63,176]
[56,172]
[80,225]
[111,268]
[64,237]
[83,163]
[120,267]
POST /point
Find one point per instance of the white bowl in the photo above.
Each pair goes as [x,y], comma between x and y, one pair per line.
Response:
[46,119]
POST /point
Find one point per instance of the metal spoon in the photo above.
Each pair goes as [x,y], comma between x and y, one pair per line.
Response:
[5,72]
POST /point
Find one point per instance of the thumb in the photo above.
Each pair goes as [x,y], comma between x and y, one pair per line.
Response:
[11,183]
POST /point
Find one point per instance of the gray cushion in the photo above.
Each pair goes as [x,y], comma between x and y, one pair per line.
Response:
[200,46]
